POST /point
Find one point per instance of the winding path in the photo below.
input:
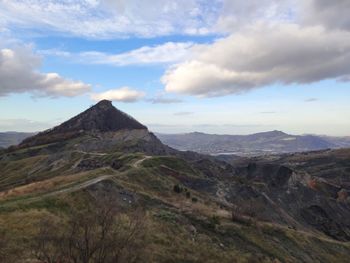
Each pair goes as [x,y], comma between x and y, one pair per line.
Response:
[78,186]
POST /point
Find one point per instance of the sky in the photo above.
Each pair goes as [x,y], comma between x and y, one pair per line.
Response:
[219,66]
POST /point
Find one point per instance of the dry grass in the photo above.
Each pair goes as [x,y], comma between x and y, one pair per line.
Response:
[47,185]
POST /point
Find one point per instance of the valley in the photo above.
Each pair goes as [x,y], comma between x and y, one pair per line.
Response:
[264,143]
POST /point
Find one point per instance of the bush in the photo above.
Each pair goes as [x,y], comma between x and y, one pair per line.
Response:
[95,234]
[194,199]
[177,188]
[215,220]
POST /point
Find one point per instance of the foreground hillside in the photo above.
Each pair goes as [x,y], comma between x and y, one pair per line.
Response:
[98,190]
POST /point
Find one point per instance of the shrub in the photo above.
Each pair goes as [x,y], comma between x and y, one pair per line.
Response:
[194,199]
[98,234]
[177,188]
[215,220]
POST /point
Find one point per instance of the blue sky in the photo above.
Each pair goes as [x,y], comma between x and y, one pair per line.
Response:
[178,66]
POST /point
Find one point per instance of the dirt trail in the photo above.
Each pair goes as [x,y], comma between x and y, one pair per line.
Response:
[81,185]
[138,163]
[92,153]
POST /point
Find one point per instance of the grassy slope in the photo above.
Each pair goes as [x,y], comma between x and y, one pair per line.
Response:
[180,230]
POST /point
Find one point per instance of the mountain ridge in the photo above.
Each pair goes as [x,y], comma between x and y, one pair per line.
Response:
[275,142]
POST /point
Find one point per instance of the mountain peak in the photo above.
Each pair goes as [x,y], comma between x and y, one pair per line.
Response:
[104,104]
[101,117]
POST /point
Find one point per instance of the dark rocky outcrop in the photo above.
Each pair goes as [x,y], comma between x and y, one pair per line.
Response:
[90,164]
[102,117]
[317,217]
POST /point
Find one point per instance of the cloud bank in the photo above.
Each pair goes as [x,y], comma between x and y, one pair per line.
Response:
[265,42]
[263,55]
[331,14]
[19,73]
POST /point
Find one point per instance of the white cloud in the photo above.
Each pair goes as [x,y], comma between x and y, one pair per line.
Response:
[331,14]
[169,52]
[311,100]
[183,113]
[345,78]
[123,94]
[142,18]
[235,14]
[262,55]
[19,73]
[109,18]
[164,100]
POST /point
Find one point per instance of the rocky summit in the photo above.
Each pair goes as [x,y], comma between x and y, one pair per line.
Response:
[101,118]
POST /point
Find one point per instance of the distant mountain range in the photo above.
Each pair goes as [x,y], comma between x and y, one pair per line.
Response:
[244,145]
[255,144]
[12,138]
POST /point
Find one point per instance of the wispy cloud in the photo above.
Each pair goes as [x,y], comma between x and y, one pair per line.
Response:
[345,78]
[123,94]
[183,113]
[267,112]
[125,18]
[311,99]
[108,18]
[164,100]
[170,52]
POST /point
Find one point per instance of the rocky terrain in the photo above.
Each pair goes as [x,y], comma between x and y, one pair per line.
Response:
[251,145]
[198,208]
[310,189]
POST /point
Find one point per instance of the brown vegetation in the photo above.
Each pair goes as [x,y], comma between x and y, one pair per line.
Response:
[248,211]
[92,235]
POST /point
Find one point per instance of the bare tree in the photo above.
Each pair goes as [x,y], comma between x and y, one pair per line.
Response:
[9,252]
[3,245]
[95,235]
[48,242]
